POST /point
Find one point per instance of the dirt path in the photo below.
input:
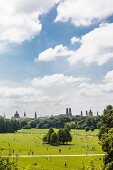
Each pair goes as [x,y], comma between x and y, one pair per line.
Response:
[38,156]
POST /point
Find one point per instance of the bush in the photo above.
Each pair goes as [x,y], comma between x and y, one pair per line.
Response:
[54,139]
[27,127]
[44,139]
[87,128]
[92,128]
[8,164]
[33,124]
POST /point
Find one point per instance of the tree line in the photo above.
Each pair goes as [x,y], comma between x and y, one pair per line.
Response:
[73,122]
[61,121]
[8,125]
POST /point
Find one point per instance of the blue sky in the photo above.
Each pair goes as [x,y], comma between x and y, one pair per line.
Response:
[42,69]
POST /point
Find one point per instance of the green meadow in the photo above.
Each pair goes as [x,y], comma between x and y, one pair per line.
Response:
[31,153]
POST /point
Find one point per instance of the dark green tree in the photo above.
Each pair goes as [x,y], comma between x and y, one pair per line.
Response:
[45,139]
[54,139]
[7,164]
[92,128]
[33,124]
[106,136]
[87,128]
[68,137]
[49,134]
[61,136]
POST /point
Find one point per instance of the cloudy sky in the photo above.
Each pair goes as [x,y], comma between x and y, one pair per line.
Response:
[55,54]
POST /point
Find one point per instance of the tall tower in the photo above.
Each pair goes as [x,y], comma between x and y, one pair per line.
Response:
[97,113]
[70,114]
[24,114]
[86,113]
[90,113]
[81,113]
[66,111]
[35,115]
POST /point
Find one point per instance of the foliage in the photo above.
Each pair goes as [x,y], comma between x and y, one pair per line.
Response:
[92,128]
[44,139]
[87,128]
[68,137]
[7,164]
[106,137]
[8,125]
[68,126]
[33,124]
[26,127]
[49,134]
[53,139]
[61,137]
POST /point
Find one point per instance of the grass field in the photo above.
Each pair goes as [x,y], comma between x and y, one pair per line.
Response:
[29,142]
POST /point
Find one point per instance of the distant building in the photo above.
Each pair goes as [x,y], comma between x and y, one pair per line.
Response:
[86,113]
[68,112]
[35,115]
[16,115]
[24,114]
[90,113]
[81,113]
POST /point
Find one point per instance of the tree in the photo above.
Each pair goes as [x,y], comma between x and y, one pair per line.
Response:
[106,121]
[40,125]
[26,127]
[98,125]
[45,139]
[23,123]
[8,164]
[33,124]
[49,134]
[61,136]
[87,128]
[54,139]
[68,137]
[68,126]
[106,137]
[92,128]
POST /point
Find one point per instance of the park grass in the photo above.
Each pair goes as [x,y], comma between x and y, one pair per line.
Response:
[29,142]
[56,163]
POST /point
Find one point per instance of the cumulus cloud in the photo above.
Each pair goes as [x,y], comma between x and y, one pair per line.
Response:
[19,19]
[109,77]
[85,12]
[46,92]
[53,93]
[56,80]
[75,40]
[96,46]
[53,53]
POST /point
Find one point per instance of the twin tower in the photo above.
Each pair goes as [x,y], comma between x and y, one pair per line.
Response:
[68,112]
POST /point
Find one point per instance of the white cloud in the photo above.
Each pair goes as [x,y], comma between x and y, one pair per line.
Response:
[109,77]
[42,93]
[53,93]
[56,80]
[75,40]
[19,19]
[53,53]
[84,12]
[96,46]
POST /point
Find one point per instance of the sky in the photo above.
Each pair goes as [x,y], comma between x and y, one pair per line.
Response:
[55,54]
